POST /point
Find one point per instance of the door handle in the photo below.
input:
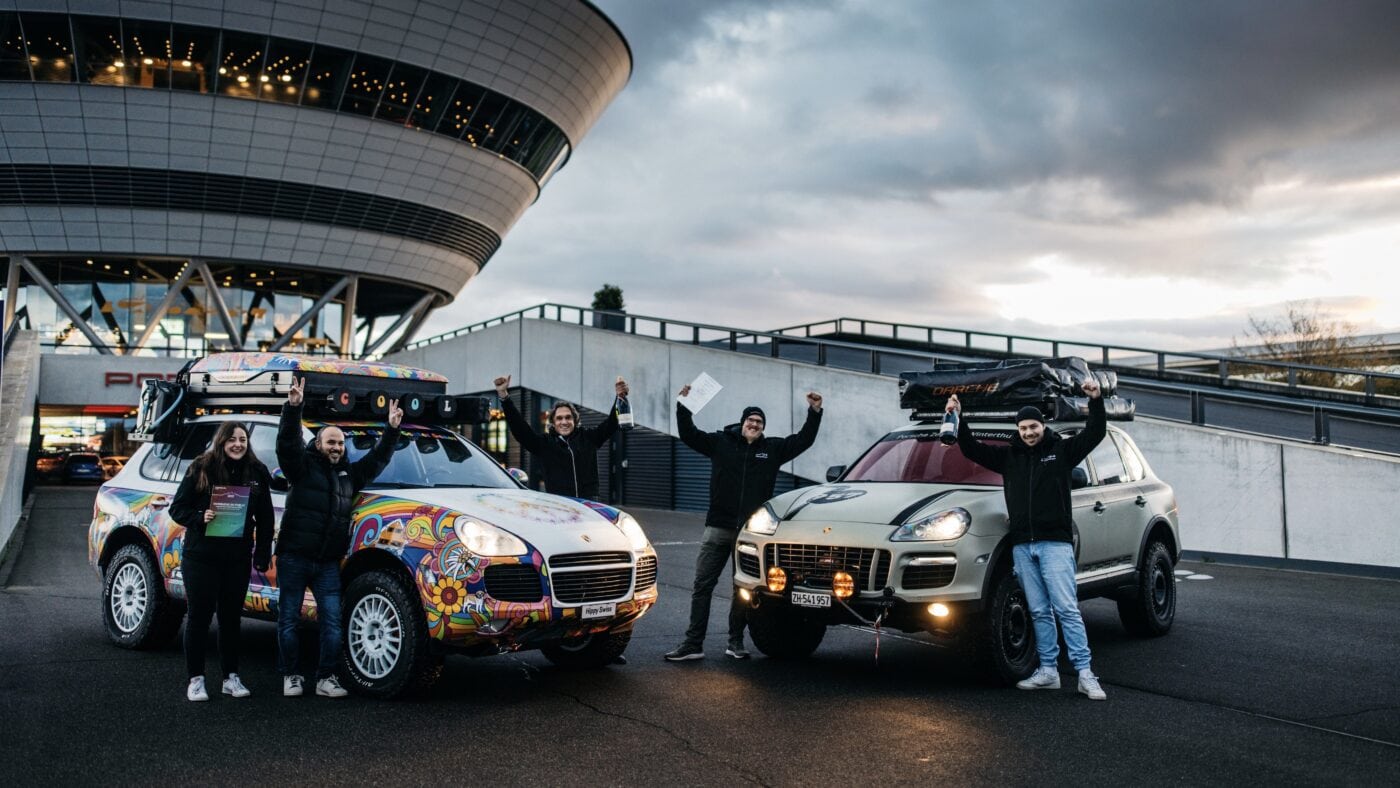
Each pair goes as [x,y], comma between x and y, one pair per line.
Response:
[1098,506]
[1140,501]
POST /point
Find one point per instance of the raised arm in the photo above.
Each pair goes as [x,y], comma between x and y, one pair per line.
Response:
[289,443]
[521,429]
[367,468]
[702,442]
[1077,447]
[989,457]
[803,439]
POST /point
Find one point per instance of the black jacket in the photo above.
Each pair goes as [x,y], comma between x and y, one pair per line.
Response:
[316,519]
[190,503]
[742,474]
[570,463]
[1035,478]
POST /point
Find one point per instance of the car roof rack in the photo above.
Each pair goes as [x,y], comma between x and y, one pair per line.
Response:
[994,391]
[245,382]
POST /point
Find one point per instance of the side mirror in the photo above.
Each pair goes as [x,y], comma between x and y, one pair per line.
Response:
[1078,478]
[519,475]
[834,472]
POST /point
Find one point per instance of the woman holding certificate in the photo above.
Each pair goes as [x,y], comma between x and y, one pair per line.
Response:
[225,504]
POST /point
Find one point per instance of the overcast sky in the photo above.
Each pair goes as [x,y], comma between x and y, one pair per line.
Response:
[1146,173]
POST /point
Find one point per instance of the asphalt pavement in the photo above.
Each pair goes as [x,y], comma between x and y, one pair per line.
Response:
[1268,677]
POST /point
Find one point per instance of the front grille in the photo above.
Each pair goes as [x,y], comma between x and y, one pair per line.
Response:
[588,559]
[934,576]
[646,572]
[813,565]
[514,583]
[591,585]
[748,564]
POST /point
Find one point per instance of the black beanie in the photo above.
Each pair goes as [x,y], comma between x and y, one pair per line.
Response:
[1029,412]
[753,410]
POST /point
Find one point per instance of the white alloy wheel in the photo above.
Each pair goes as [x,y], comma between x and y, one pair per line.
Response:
[375,636]
[129,597]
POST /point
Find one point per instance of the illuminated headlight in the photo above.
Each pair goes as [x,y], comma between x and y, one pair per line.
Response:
[945,525]
[633,531]
[763,522]
[485,539]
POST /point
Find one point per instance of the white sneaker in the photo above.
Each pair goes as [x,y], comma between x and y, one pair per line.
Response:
[1089,685]
[291,686]
[1042,678]
[234,686]
[330,687]
[196,689]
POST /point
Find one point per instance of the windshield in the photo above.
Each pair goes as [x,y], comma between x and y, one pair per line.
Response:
[919,457]
[430,459]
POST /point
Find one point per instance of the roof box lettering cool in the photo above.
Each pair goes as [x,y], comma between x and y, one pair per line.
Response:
[997,390]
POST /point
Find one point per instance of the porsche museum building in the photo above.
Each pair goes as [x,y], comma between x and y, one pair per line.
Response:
[185,176]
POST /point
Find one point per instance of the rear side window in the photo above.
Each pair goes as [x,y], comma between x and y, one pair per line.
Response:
[196,441]
[153,465]
[1131,461]
[1107,464]
[263,442]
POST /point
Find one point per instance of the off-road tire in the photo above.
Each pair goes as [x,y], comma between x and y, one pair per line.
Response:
[590,651]
[142,615]
[1149,612]
[783,632]
[1003,641]
[385,614]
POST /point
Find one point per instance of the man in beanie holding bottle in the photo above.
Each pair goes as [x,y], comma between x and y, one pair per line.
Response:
[743,469]
[1035,469]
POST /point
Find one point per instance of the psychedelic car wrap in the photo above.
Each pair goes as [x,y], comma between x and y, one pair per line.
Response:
[287,362]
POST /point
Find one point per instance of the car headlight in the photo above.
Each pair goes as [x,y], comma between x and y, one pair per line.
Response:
[485,539]
[763,521]
[633,531]
[945,525]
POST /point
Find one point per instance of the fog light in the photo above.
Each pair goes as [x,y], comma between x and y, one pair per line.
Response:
[745,595]
[777,579]
[938,610]
[843,585]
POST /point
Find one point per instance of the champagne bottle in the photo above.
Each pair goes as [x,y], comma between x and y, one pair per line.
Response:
[948,433]
[624,413]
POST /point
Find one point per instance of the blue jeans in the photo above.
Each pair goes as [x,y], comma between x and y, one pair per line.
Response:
[294,575]
[1046,572]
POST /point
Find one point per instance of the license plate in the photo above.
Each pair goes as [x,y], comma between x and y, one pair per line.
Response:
[598,610]
[809,599]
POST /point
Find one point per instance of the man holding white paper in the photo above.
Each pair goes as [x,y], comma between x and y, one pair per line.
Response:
[743,470]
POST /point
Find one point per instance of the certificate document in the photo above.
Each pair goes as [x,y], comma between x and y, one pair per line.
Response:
[230,505]
[702,390]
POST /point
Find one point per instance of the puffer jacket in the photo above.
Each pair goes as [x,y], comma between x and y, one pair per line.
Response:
[570,463]
[1036,479]
[742,474]
[316,518]
[190,503]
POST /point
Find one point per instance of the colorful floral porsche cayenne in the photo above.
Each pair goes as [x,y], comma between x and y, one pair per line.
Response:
[450,554]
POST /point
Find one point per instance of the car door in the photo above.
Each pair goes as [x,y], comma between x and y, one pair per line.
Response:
[1115,518]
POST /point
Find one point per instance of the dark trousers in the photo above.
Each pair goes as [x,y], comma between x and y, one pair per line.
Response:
[214,585]
[294,575]
[716,550]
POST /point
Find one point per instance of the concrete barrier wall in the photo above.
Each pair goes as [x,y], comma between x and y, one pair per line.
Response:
[19,386]
[1238,494]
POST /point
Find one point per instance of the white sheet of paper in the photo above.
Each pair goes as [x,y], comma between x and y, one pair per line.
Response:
[702,390]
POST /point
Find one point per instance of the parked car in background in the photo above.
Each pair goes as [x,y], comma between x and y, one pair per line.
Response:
[83,467]
[49,466]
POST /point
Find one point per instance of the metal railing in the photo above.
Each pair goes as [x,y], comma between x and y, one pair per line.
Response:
[1228,370]
[865,357]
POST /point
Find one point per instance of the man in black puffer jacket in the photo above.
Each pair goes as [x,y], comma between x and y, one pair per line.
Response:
[743,469]
[1035,470]
[315,533]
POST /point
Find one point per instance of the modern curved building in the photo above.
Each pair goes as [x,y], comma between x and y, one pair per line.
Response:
[178,176]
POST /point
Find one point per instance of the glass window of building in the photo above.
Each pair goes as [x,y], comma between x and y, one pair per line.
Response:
[14,61]
[433,100]
[459,111]
[400,91]
[522,137]
[148,51]
[240,63]
[49,42]
[98,42]
[284,75]
[367,80]
[481,128]
[194,58]
[503,128]
[330,67]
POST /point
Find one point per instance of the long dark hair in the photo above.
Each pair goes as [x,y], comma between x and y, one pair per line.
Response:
[212,465]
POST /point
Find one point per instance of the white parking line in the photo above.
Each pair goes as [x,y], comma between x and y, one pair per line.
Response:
[668,544]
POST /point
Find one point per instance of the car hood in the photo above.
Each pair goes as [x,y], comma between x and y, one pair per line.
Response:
[890,503]
[550,523]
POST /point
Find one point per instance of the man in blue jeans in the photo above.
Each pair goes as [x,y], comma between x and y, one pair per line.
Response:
[1035,469]
[315,534]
